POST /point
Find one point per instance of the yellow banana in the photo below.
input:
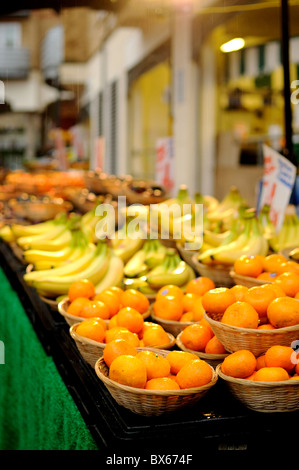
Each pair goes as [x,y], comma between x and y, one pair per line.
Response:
[113,276]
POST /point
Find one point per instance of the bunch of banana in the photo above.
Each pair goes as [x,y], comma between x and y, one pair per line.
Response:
[126,241]
[7,234]
[114,274]
[288,236]
[266,223]
[55,236]
[56,282]
[294,254]
[150,255]
[45,259]
[250,241]
[227,209]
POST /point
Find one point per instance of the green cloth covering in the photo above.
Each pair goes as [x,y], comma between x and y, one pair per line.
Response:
[36,410]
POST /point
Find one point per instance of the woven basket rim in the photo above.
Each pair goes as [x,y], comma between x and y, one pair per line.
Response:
[92,342]
[214,267]
[48,301]
[238,329]
[142,391]
[201,353]
[253,383]
[63,312]
[235,276]
[170,322]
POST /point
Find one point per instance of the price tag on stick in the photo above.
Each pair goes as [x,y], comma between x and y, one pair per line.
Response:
[277,185]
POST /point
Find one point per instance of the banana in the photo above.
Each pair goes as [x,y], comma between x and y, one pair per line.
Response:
[31,230]
[77,252]
[288,235]
[172,271]
[54,286]
[35,256]
[56,244]
[215,239]
[150,255]
[266,223]
[113,276]
[7,234]
[65,270]
[228,207]
[294,254]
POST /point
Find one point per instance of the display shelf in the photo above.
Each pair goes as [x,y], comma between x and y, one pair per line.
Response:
[217,421]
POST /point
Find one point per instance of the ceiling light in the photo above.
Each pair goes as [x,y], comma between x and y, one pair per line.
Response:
[232,45]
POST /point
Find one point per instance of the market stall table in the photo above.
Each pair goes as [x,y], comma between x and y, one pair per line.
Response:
[52,399]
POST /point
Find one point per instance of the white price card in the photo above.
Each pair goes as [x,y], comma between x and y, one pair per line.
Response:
[277,185]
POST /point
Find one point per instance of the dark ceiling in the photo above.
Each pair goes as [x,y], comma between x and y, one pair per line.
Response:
[14,6]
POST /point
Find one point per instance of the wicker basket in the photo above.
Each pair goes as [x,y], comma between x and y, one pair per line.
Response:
[257,341]
[247,280]
[212,359]
[51,302]
[218,273]
[92,350]
[71,319]
[149,402]
[266,397]
[173,327]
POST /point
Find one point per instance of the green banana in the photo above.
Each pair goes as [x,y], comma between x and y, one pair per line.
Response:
[94,272]
[172,271]
[266,223]
[150,255]
[288,235]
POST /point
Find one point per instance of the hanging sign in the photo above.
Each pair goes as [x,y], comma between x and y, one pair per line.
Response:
[165,163]
[277,185]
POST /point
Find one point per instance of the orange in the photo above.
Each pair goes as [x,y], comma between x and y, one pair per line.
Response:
[82,288]
[198,309]
[76,306]
[297,367]
[266,326]
[134,299]
[214,346]
[260,297]
[188,301]
[272,262]
[112,322]
[200,285]
[119,332]
[130,318]
[146,325]
[111,300]
[128,370]
[93,328]
[271,374]
[117,348]
[267,276]
[168,308]
[280,356]
[155,336]
[195,337]
[239,364]
[217,300]
[248,266]
[250,377]
[95,308]
[296,296]
[241,314]
[170,289]
[187,317]
[116,290]
[290,267]
[289,282]
[204,322]
[194,374]
[283,312]
[162,383]
[260,362]
[279,292]
[239,291]
[294,377]
[177,359]
[156,365]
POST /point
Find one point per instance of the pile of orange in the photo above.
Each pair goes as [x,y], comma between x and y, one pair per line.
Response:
[131,327]
[200,337]
[260,307]
[278,363]
[174,304]
[151,371]
[85,303]
[274,268]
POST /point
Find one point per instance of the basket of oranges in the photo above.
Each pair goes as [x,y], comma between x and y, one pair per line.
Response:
[268,383]
[93,334]
[82,302]
[257,270]
[146,383]
[175,309]
[198,339]
[219,273]
[263,316]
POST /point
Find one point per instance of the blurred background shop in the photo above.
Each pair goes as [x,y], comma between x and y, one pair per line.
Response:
[89,88]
